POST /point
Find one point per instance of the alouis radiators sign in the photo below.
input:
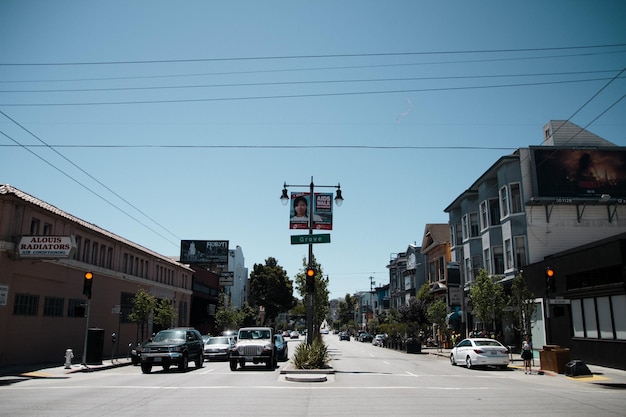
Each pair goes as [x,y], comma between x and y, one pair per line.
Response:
[46,246]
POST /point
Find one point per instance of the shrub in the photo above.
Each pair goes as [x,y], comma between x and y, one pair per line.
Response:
[314,356]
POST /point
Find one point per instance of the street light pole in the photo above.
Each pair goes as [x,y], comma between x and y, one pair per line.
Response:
[309,295]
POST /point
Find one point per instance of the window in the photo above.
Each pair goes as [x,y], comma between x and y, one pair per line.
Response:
[75,308]
[34,226]
[520,251]
[47,229]
[504,202]
[487,258]
[508,250]
[484,216]
[77,252]
[102,260]
[465,222]
[86,247]
[476,265]
[498,260]
[26,305]
[94,253]
[494,212]
[474,227]
[516,198]
[53,306]
[109,262]
[599,317]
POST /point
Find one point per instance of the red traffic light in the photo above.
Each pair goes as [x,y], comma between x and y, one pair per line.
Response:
[310,272]
[549,272]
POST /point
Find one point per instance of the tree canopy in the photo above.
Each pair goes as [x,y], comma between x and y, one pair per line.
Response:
[271,288]
[487,297]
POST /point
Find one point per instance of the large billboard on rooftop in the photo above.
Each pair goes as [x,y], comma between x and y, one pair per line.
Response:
[579,172]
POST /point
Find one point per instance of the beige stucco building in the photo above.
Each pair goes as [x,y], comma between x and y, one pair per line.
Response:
[44,254]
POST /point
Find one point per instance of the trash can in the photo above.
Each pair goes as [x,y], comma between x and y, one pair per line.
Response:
[413,346]
[95,346]
[554,358]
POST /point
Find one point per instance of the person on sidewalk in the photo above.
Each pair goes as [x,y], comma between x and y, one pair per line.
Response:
[527,354]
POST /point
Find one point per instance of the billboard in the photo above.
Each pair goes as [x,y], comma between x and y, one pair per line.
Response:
[322,211]
[204,251]
[579,172]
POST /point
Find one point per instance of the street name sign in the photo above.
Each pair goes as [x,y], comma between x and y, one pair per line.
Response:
[307,239]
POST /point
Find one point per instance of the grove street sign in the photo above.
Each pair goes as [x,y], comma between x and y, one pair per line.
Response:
[307,239]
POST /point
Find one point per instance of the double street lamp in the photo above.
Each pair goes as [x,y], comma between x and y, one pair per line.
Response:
[284,198]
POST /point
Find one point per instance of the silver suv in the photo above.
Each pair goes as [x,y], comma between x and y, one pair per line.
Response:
[256,345]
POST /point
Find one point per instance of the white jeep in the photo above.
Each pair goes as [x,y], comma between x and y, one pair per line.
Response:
[256,345]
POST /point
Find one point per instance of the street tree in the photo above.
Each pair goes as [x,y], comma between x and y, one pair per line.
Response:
[346,311]
[143,306]
[413,314]
[271,288]
[164,313]
[487,297]
[522,304]
[436,313]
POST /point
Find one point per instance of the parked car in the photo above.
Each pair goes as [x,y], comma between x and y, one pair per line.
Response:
[480,352]
[282,349]
[365,337]
[218,347]
[379,340]
[285,333]
[294,335]
[175,346]
[256,345]
[344,336]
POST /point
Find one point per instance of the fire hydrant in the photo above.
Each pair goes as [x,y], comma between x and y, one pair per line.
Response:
[69,354]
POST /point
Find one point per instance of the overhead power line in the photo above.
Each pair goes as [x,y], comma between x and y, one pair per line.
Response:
[289,57]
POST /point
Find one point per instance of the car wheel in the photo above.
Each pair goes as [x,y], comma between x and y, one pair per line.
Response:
[242,363]
[233,365]
[166,367]
[270,363]
[146,368]
[468,362]
[199,361]
[452,362]
[183,365]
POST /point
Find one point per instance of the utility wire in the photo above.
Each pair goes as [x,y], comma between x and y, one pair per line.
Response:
[90,176]
[290,57]
[308,69]
[287,96]
[315,82]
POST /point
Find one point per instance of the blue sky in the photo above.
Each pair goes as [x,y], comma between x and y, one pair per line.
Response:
[164,121]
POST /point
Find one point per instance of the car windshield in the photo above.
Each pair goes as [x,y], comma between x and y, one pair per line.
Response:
[218,341]
[169,335]
[254,334]
[487,343]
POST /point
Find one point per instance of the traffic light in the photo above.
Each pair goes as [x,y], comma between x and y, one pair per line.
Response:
[87,282]
[310,279]
[550,280]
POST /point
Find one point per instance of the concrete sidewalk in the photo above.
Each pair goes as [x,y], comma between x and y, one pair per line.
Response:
[58,371]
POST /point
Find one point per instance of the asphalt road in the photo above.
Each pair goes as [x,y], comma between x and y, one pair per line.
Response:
[368,381]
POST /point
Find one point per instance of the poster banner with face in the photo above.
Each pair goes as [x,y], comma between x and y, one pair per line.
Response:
[322,211]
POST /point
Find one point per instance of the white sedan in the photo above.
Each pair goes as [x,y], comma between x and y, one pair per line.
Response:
[480,352]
